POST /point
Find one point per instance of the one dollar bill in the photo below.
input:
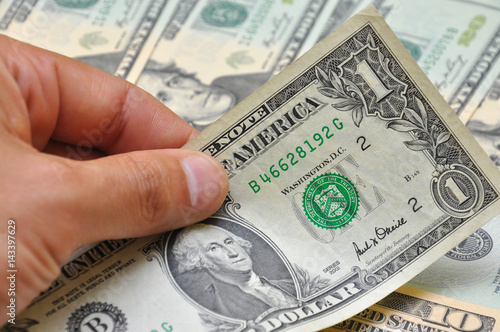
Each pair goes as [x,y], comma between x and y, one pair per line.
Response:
[471,271]
[349,174]
[455,42]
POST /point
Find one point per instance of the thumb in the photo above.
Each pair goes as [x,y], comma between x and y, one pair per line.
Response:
[145,192]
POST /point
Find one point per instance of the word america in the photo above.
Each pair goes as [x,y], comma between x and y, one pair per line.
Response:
[265,138]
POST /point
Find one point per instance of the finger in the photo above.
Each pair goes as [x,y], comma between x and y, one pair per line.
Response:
[144,192]
[13,110]
[72,151]
[81,105]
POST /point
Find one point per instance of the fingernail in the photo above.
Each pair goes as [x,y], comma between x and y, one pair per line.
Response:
[203,179]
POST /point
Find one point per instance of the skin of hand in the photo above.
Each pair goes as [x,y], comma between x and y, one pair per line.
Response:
[87,156]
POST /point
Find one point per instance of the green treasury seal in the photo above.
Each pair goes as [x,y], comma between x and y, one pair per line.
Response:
[77,4]
[330,201]
[224,14]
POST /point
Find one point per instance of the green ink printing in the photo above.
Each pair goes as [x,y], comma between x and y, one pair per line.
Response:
[293,157]
[330,201]
[76,4]
[224,14]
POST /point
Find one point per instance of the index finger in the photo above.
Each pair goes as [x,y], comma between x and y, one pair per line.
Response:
[86,106]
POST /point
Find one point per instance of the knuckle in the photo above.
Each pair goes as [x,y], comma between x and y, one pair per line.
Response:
[112,127]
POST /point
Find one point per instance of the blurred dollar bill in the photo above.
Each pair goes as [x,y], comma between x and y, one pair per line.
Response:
[471,271]
[410,309]
[349,174]
[455,42]
[115,36]
[213,54]
[330,20]
[485,123]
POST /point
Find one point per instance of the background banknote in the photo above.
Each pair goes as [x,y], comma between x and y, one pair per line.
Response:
[330,20]
[469,272]
[115,36]
[455,42]
[409,309]
[485,123]
[349,175]
[214,54]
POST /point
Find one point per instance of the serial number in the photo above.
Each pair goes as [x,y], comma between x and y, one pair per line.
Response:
[166,327]
[103,13]
[293,158]
[256,23]
[438,50]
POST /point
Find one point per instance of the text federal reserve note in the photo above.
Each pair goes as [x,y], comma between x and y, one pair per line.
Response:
[115,36]
[214,54]
[409,309]
[349,175]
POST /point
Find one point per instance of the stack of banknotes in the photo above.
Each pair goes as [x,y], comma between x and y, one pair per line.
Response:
[362,145]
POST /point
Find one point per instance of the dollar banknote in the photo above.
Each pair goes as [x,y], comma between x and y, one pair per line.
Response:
[409,309]
[471,271]
[455,42]
[330,20]
[213,54]
[115,36]
[485,123]
[349,174]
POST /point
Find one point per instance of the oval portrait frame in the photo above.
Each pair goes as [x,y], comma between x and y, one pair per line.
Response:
[267,261]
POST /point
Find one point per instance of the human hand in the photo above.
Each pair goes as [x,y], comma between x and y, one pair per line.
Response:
[134,180]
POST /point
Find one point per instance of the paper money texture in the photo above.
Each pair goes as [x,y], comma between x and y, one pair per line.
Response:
[409,309]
